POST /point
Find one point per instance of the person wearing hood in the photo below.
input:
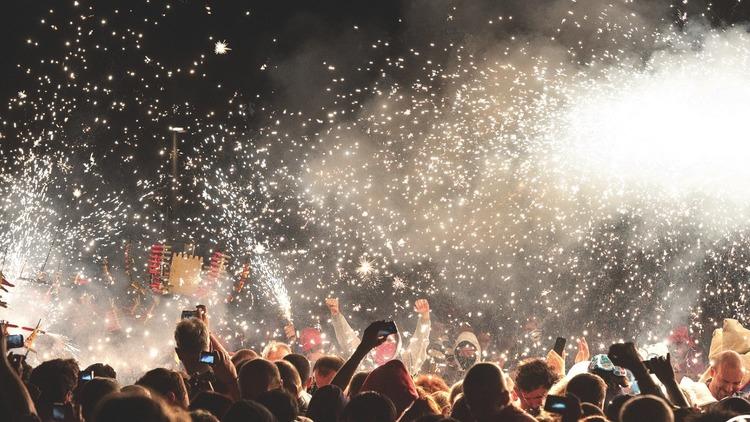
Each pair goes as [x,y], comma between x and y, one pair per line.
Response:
[466,352]
[393,381]
[413,355]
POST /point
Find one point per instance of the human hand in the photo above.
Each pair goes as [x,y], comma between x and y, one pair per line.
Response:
[661,367]
[583,351]
[422,306]
[556,362]
[290,332]
[333,305]
[626,356]
[371,337]
[202,314]
[3,339]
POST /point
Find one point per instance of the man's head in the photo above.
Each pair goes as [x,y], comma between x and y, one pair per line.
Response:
[243,355]
[191,338]
[646,408]
[325,369]
[369,407]
[589,388]
[275,350]
[168,384]
[93,392]
[485,391]
[726,374]
[282,404]
[290,379]
[258,376]
[56,379]
[120,407]
[533,379]
[302,365]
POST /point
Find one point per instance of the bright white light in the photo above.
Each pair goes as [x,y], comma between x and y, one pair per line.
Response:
[221,47]
[679,123]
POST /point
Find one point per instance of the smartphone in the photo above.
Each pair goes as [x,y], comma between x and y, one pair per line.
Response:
[58,412]
[390,328]
[209,358]
[189,314]
[87,376]
[555,404]
[15,341]
[559,346]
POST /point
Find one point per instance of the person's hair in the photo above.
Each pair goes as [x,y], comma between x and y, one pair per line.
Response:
[55,379]
[248,410]
[589,388]
[733,404]
[442,398]
[202,416]
[164,381]
[281,404]
[121,407]
[290,379]
[326,404]
[612,410]
[369,407]
[274,346]
[258,376]
[460,409]
[646,408]
[533,374]
[93,392]
[301,364]
[435,418]
[215,403]
[101,370]
[456,389]
[728,357]
[482,385]
[355,385]
[424,405]
[327,364]
[595,418]
[191,335]
[243,355]
[431,383]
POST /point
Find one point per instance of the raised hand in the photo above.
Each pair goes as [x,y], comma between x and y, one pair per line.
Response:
[333,305]
[371,337]
[290,332]
[583,351]
[626,356]
[661,367]
[422,306]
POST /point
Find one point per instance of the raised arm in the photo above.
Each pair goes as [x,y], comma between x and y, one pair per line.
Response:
[626,356]
[345,336]
[12,390]
[370,340]
[416,353]
[662,368]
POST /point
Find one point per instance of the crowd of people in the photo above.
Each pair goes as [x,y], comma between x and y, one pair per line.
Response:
[375,378]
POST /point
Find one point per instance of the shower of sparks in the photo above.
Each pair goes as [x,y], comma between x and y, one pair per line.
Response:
[530,189]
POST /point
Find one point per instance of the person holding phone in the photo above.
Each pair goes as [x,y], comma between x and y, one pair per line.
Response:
[413,355]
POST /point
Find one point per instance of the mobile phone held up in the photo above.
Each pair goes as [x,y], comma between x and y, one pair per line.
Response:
[209,358]
[559,347]
[58,411]
[555,404]
[189,314]
[87,376]
[14,341]
[388,329]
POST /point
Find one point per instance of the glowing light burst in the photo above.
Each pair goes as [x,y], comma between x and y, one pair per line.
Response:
[366,267]
[221,47]
[677,124]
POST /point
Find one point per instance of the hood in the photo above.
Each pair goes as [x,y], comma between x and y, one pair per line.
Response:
[464,342]
[393,381]
[310,339]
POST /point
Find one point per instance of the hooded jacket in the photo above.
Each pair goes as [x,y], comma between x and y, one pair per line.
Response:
[413,355]
[471,338]
[393,381]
